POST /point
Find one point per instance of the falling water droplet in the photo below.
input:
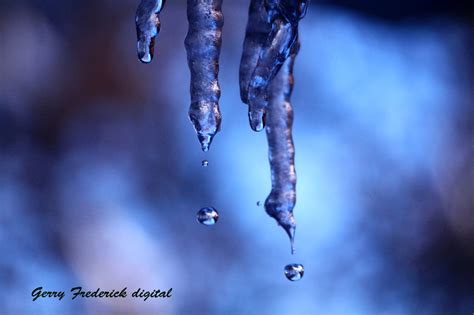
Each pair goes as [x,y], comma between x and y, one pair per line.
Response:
[207,216]
[259,203]
[294,272]
[205,163]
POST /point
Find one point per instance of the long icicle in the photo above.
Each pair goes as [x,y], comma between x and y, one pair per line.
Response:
[147,21]
[266,84]
[282,198]
[203,44]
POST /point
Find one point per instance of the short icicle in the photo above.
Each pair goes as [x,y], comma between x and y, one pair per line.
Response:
[284,16]
[147,21]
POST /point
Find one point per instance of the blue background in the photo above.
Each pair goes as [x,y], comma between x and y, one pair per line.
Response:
[101,177]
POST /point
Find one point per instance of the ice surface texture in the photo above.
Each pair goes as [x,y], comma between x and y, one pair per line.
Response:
[203,45]
[271,35]
[147,21]
[266,81]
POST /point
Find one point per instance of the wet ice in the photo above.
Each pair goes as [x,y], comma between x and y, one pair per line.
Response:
[147,22]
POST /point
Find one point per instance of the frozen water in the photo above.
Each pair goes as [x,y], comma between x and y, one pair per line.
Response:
[282,198]
[266,83]
[271,37]
[147,21]
[203,46]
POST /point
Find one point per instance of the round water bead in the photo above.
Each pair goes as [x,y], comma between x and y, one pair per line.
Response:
[259,203]
[205,163]
[294,272]
[207,216]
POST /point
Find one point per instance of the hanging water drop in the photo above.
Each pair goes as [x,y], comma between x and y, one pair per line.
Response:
[207,216]
[204,163]
[294,272]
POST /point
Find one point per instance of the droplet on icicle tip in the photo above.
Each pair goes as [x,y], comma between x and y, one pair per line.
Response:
[257,120]
[206,120]
[205,141]
[145,56]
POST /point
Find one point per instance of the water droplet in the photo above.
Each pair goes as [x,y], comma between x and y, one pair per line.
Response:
[205,163]
[145,55]
[259,203]
[294,272]
[207,216]
[257,120]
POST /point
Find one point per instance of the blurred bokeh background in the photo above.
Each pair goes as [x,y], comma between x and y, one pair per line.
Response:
[101,177]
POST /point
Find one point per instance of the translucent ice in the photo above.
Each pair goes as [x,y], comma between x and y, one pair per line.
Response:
[147,20]
[203,44]
[270,39]
[281,152]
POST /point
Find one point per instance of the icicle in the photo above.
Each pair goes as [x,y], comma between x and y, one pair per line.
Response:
[147,20]
[284,16]
[275,52]
[281,201]
[290,10]
[256,34]
[266,81]
[203,43]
